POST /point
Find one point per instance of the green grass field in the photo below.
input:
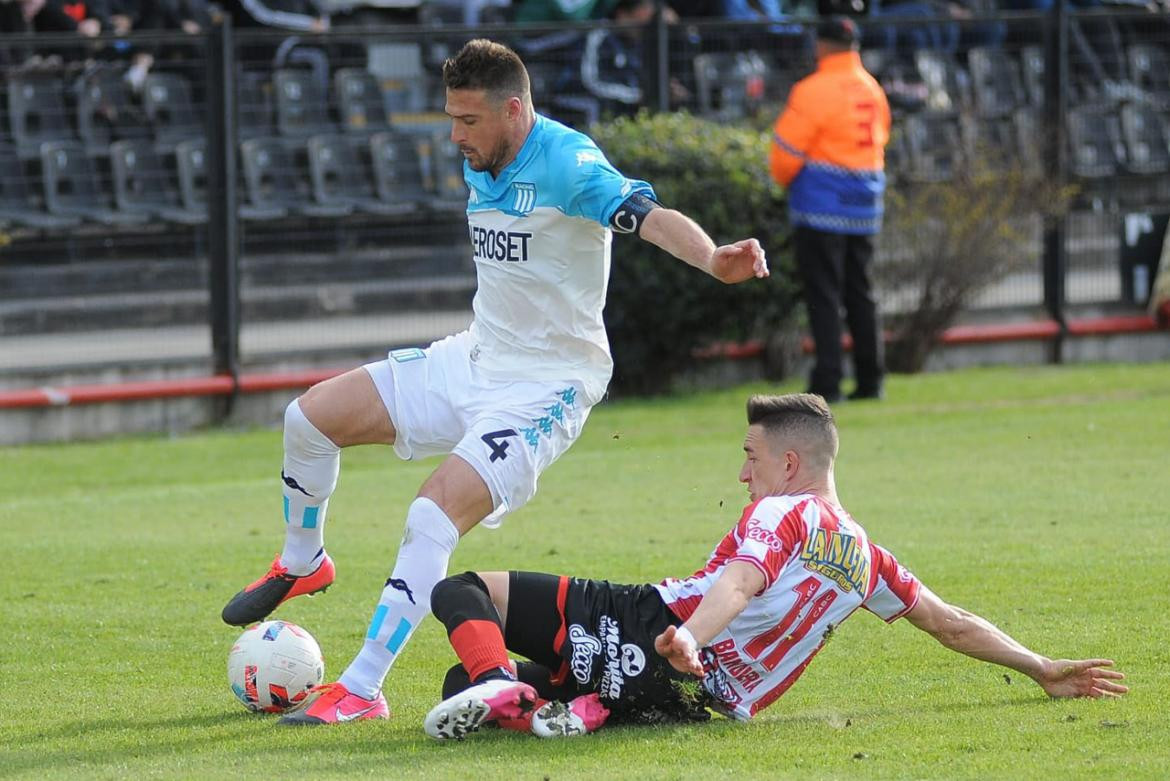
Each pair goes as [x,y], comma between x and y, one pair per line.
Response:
[1036,497]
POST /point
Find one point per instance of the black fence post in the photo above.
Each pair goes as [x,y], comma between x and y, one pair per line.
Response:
[662,49]
[1055,267]
[222,225]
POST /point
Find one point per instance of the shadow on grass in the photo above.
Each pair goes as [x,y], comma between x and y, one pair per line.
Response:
[215,739]
[224,741]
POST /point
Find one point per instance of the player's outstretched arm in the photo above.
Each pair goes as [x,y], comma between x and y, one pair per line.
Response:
[967,633]
[682,237]
[731,593]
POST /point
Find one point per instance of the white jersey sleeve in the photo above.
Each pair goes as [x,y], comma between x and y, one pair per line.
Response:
[895,589]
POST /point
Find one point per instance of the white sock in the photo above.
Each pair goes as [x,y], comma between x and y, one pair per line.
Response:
[427,543]
[311,464]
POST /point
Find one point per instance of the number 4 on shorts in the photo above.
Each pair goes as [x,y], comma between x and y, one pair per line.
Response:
[496,441]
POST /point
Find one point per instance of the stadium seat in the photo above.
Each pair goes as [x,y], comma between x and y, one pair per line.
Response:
[903,85]
[341,177]
[360,101]
[170,109]
[1032,62]
[730,85]
[36,111]
[1146,143]
[274,181]
[446,174]
[302,109]
[1149,67]
[18,205]
[142,184]
[72,187]
[897,156]
[1095,141]
[397,169]
[191,161]
[995,79]
[1028,140]
[105,112]
[254,111]
[992,143]
[934,144]
[948,84]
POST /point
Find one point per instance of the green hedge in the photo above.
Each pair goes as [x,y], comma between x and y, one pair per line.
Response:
[659,309]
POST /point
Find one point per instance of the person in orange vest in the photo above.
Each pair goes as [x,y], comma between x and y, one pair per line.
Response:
[828,150]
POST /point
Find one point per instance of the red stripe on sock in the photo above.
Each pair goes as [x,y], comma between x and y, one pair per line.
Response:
[562,595]
[558,677]
[480,646]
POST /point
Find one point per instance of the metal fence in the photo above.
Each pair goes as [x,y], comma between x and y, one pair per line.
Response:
[255,194]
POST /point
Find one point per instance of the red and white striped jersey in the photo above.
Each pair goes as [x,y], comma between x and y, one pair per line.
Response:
[819,566]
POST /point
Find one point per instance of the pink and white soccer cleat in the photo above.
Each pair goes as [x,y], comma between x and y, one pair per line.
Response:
[332,703]
[468,710]
[580,716]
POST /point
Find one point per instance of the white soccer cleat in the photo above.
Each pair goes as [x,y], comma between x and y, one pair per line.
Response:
[581,716]
[466,711]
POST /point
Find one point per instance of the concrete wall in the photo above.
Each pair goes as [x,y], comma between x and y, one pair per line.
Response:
[92,421]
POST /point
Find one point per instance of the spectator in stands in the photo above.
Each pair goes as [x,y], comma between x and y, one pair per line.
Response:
[828,149]
[52,16]
[753,10]
[299,15]
[945,35]
[48,16]
[561,10]
[613,63]
[190,16]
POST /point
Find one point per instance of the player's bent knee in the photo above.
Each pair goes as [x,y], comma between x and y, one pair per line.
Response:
[449,594]
[311,459]
[349,410]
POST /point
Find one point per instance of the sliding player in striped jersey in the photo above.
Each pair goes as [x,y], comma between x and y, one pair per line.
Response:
[746,625]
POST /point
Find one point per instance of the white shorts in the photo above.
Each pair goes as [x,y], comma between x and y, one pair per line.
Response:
[510,432]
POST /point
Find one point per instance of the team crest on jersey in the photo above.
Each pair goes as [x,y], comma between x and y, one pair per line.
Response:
[523,196]
[837,557]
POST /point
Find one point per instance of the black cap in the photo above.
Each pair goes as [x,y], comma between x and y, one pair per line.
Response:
[838,29]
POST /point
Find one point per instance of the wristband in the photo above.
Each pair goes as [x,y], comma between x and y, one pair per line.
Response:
[686,635]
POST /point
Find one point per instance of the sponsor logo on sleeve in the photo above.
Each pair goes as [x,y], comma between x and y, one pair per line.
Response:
[756,531]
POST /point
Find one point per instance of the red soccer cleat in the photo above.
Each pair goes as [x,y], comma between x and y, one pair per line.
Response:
[332,703]
[259,599]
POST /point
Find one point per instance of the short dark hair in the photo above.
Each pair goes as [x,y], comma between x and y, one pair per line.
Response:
[803,416]
[489,66]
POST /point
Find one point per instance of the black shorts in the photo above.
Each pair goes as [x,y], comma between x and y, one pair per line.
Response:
[596,636]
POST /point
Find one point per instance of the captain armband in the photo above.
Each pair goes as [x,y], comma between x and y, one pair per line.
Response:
[630,215]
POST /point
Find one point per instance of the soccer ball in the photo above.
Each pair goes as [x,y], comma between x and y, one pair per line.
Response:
[273,665]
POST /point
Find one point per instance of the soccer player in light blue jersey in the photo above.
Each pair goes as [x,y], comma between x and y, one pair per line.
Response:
[503,399]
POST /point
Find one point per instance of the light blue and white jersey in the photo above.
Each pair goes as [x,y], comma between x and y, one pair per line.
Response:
[541,240]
